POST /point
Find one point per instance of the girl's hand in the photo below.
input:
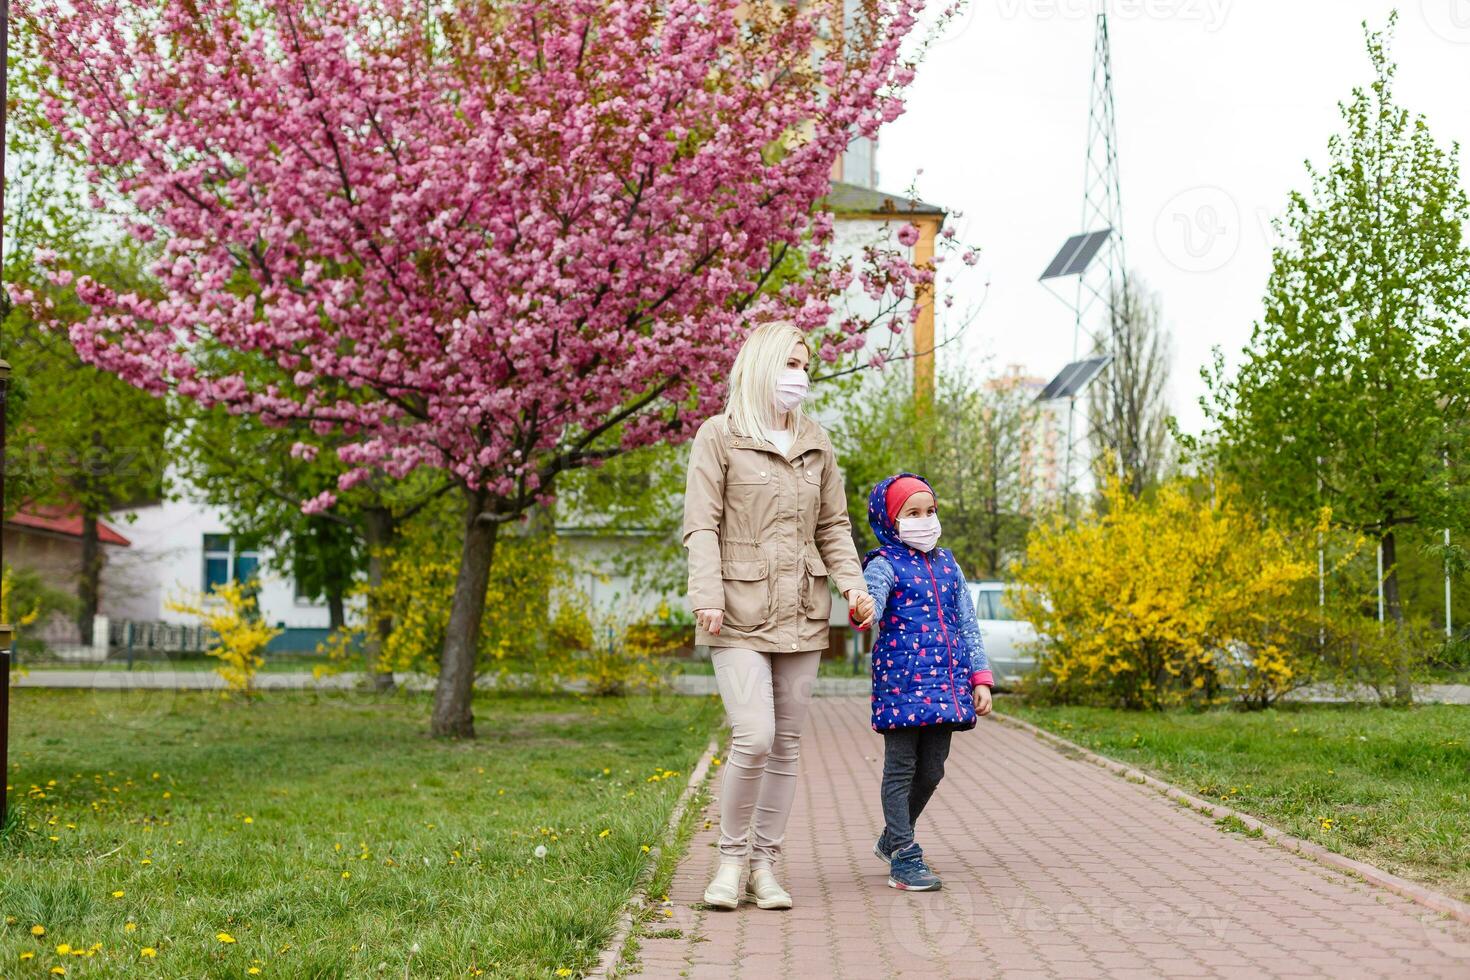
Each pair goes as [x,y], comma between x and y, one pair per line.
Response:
[710,620]
[981,695]
[863,607]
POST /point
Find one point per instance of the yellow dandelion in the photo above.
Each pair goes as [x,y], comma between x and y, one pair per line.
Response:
[63,949]
[250,820]
[644,848]
[148,952]
[347,874]
[118,894]
[28,955]
[131,927]
[605,833]
[253,970]
[59,971]
[38,930]
[563,972]
[224,937]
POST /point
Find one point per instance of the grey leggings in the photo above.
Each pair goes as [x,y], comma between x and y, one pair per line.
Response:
[913,765]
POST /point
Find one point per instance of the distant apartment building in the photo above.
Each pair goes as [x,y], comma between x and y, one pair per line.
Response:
[1044,446]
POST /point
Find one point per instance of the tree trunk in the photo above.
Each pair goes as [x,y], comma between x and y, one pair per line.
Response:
[453,717]
[89,579]
[335,613]
[1403,691]
[380,533]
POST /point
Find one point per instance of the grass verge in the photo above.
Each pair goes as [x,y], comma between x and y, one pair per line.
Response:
[1388,786]
[311,836]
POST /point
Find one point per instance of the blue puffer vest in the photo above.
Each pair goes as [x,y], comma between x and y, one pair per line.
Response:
[921,666]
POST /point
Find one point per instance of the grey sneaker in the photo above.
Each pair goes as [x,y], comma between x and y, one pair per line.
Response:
[909,873]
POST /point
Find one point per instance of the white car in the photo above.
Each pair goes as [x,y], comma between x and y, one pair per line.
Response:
[1006,637]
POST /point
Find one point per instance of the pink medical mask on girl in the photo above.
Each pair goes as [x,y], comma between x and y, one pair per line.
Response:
[919,533]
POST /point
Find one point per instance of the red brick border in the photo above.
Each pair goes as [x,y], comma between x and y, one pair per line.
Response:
[1428,897]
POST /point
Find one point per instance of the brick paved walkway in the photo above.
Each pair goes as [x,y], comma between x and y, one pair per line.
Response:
[1052,868]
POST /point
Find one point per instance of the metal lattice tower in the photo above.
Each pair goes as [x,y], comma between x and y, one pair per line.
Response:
[1096,257]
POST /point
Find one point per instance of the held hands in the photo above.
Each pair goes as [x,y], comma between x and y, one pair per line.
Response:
[863,609]
[710,620]
[981,694]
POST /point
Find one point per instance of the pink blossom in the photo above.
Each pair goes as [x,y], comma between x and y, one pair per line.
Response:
[553,266]
[321,502]
[908,235]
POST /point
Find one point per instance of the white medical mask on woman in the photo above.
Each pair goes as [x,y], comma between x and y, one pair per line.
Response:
[921,533]
[791,387]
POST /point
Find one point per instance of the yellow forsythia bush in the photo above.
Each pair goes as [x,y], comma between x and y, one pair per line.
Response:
[1168,600]
[239,636]
[7,600]
[418,587]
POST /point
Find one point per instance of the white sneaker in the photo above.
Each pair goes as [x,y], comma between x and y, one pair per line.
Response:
[724,891]
[767,891]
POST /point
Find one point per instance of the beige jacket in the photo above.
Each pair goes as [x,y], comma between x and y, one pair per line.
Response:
[764,533]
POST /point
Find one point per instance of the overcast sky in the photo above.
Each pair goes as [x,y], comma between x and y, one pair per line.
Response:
[1219,103]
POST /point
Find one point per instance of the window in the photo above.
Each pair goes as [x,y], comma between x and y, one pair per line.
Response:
[228,559]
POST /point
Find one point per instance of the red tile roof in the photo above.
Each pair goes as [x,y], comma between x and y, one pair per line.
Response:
[62,519]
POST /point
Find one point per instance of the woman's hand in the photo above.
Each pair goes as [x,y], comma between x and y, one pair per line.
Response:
[710,620]
[981,695]
[862,607]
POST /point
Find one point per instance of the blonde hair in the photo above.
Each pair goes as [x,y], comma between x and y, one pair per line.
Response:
[751,404]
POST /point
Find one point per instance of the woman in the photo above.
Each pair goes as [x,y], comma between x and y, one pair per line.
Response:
[765,522]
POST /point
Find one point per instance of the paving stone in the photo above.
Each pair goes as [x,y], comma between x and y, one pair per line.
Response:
[1054,868]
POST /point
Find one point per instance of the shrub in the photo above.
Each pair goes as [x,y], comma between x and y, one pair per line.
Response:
[1160,601]
[239,635]
[1357,651]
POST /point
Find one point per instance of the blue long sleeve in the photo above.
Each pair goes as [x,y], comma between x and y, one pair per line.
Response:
[881,580]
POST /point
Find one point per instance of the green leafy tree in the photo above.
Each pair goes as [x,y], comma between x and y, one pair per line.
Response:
[1355,388]
[79,437]
[973,442]
[259,475]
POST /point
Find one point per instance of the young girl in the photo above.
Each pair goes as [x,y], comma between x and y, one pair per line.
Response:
[930,673]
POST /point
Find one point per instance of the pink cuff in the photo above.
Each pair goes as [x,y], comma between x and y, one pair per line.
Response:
[982,677]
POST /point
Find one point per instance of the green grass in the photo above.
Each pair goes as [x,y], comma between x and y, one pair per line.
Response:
[1384,785]
[330,836]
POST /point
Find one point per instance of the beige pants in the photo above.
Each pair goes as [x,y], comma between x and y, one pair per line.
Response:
[766,698]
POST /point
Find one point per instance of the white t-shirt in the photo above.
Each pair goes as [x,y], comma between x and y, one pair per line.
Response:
[781,439]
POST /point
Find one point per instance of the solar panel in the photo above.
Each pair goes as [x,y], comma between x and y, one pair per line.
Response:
[1076,254]
[1086,251]
[1064,257]
[1073,378]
